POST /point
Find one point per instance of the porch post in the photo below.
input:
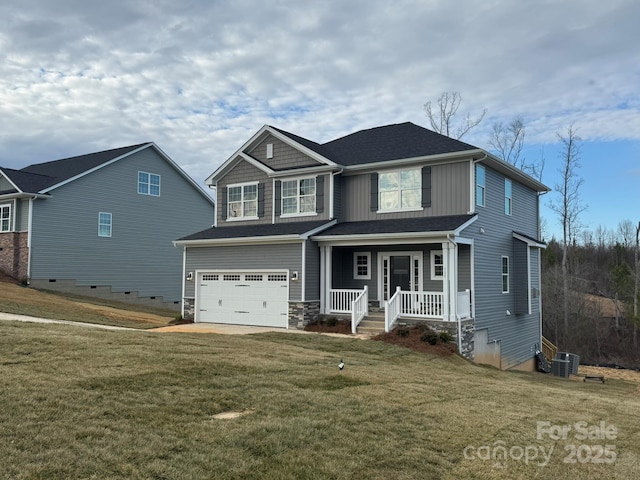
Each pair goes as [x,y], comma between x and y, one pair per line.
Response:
[327,281]
[450,284]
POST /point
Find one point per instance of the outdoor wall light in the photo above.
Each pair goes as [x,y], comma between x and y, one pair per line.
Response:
[294,275]
[189,276]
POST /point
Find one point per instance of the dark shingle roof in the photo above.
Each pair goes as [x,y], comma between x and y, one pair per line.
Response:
[243,231]
[380,144]
[61,170]
[402,225]
[27,182]
[391,142]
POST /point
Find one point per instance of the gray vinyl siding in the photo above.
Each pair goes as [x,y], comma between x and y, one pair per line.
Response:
[312,270]
[244,172]
[493,237]
[284,156]
[449,195]
[5,184]
[139,256]
[286,256]
[464,267]
[22,215]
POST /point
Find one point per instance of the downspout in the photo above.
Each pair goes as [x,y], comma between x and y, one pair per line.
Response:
[456,294]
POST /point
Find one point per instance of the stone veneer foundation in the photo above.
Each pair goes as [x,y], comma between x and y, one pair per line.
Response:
[467,328]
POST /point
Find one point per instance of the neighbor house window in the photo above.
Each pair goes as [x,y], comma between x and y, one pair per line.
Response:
[437,265]
[242,201]
[480,185]
[299,196]
[148,184]
[362,265]
[505,274]
[104,224]
[400,190]
[5,218]
[507,196]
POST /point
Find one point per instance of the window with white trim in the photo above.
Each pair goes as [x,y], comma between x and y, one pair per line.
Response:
[400,190]
[480,185]
[5,218]
[505,274]
[437,265]
[242,201]
[362,265]
[507,196]
[104,224]
[299,196]
[148,184]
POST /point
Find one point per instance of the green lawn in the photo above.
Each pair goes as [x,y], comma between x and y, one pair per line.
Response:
[78,403]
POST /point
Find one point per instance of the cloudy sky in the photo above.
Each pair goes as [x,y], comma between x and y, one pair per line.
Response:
[199,77]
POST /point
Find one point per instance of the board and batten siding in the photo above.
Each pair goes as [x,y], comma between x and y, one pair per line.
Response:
[22,215]
[284,155]
[139,256]
[449,195]
[244,172]
[281,256]
[312,271]
[492,233]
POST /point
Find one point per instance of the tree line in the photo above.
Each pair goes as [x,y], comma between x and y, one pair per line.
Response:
[590,279]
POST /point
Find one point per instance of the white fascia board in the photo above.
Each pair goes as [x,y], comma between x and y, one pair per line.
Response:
[179,169]
[307,151]
[528,241]
[310,233]
[213,242]
[87,172]
[228,165]
[3,174]
[298,172]
[211,179]
[461,228]
[515,173]
[383,238]
[11,196]
[431,159]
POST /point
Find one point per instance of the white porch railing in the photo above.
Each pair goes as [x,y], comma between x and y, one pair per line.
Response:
[359,309]
[421,304]
[341,300]
[392,310]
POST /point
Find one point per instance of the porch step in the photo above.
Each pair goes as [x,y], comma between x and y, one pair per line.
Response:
[372,324]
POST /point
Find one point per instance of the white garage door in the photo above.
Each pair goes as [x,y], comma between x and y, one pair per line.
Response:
[243,298]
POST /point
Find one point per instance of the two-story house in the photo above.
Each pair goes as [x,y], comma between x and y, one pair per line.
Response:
[101,224]
[395,218]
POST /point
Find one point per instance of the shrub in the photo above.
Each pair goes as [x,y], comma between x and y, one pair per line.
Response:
[446,337]
[430,337]
[402,331]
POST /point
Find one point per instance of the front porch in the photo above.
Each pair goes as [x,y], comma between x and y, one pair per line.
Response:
[403,304]
[430,281]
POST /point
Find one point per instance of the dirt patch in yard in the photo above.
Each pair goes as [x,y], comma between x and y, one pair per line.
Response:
[330,325]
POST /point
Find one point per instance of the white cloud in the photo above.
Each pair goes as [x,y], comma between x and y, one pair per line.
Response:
[199,77]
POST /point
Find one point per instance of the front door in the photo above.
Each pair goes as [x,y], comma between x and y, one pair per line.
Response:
[399,269]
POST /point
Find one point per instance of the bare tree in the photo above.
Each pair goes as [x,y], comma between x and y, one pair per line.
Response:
[625,232]
[636,286]
[568,207]
[508,140]
[441,116]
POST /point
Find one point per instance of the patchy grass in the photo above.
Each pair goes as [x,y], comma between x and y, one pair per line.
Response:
[79,403]
[15,298]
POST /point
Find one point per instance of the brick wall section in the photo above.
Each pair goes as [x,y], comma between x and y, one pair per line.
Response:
[302,313]
[14,254]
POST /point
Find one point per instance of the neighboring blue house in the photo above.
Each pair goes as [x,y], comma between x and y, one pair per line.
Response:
[397,219]
[101,224]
